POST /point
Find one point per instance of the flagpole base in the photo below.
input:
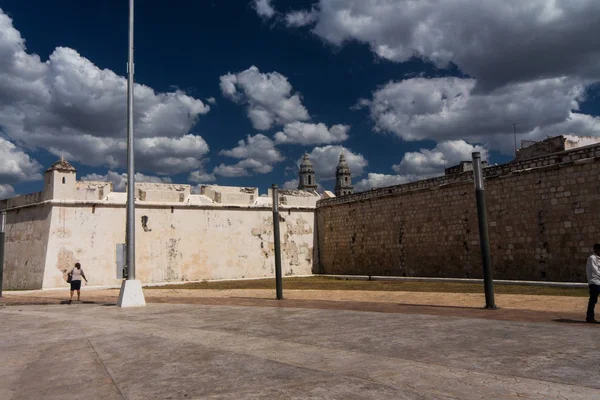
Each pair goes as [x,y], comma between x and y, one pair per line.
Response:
[131,294]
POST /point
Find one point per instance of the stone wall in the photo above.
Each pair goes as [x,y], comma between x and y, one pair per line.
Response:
[543,218]
[179,236]
[176,244]
[26,243]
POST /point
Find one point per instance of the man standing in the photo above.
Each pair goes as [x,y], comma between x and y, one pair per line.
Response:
[76,275]
[593,276]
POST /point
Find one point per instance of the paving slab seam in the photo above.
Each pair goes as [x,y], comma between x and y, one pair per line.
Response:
[319,349]
[368,379]
[219,339]
[102,363]
[268,344]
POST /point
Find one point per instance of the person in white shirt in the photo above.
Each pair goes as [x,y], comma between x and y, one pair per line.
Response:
[593,276]
[76,275]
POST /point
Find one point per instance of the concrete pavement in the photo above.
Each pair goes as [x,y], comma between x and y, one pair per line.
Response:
[177,351]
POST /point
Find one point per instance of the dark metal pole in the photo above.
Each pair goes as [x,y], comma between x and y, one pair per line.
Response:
[130,224]
[484,238]
[515,134]
[278,280]
[2,237]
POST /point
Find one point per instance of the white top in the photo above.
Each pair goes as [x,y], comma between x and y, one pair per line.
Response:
[593,270]
[76,274]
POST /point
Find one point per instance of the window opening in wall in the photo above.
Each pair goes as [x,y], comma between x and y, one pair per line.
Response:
[309,180]
[172,210]
[93,209]
[346,178]
[64,180]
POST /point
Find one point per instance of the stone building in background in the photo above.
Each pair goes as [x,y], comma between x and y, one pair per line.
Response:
[306,175]
[343,178]
[530,149]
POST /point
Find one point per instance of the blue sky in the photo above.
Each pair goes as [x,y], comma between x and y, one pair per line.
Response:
[233,92]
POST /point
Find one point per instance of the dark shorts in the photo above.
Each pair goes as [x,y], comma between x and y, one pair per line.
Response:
[75,285]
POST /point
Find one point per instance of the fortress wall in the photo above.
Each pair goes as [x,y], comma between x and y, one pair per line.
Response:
[543,220]
[25,246]
[178,243]
[179,236]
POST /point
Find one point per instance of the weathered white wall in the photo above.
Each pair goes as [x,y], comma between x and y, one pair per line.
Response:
[226,233]
[25,247]
[180,244]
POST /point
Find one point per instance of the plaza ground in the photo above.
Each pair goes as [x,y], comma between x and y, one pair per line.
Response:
[316,344]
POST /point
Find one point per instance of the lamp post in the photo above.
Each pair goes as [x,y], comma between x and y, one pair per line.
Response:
[484,238]
[278,279]
[130,224]
[2,237]
[131,294]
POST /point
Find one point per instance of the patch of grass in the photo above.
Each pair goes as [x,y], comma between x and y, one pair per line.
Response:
[327,283]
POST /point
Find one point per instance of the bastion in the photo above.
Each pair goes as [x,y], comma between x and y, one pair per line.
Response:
[220,233]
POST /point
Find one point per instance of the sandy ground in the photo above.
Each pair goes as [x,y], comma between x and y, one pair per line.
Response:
[506,301]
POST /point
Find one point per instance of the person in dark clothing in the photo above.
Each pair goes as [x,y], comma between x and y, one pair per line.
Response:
[76,275]
[593,276]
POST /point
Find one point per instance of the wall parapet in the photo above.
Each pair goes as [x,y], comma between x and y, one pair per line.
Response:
[20,201]
[587,153]
[149,204]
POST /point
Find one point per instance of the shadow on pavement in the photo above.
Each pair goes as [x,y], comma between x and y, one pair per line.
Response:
[438,306]
[570,321]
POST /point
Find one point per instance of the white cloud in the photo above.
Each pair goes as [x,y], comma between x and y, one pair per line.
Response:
[382,180]
[201,176]
[211,100]
[307,133]
[427,163]
[325,160]
[264,8]
[259,147]
[119,181]
[67,105]
[268,97]
[291,184]
[257,153]
[448,108]
[231,170]
[172,155]
[6,191]
[300,18]
[15,165]
[497,42]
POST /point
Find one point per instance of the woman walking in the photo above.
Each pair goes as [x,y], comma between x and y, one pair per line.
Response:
[76,274]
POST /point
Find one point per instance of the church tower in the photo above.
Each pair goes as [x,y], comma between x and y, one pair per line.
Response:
[306,175]
[343,178]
